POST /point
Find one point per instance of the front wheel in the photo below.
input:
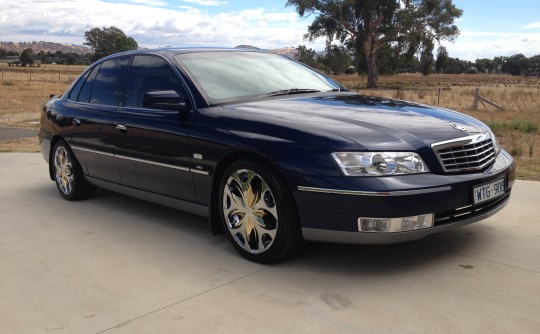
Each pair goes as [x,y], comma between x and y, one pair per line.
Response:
[258,212]
[68,174]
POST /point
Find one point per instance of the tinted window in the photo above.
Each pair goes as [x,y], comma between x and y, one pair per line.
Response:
[84,95]
[147,74]
[109,81]
[77,88]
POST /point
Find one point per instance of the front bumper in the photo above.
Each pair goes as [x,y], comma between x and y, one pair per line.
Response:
[329,207]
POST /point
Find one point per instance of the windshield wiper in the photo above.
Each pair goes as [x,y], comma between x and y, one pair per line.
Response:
[338,90]
[292,91]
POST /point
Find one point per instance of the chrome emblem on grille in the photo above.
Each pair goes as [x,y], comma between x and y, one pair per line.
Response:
[458,127]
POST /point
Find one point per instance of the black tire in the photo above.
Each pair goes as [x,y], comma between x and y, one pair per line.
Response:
[67,174]
[258,213]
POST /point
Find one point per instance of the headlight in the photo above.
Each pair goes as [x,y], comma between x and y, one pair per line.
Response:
[379,163]
[495,142]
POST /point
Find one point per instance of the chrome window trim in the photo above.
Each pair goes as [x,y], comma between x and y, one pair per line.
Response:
[374,193]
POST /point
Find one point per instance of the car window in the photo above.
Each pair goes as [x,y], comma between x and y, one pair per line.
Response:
[232,76]
[147,74]
[109,81]
[77,87]
[84,95]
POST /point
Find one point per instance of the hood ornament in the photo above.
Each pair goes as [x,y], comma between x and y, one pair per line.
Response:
[459,127]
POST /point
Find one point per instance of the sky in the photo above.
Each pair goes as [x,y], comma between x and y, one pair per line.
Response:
[489,28]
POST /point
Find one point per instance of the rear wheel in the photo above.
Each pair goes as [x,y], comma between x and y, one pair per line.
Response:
[258,212]
[68,174]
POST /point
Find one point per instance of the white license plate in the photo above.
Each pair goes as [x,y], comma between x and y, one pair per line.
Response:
[488,191]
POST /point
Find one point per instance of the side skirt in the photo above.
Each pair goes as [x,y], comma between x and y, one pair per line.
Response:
[194,208]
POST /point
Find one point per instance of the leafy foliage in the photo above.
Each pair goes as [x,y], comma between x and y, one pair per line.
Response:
[107,41]
[26,58]
[365,26]
[336,59]
[442,59]
[306,56]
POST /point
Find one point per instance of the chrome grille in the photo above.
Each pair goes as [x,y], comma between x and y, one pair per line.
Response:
[466,154]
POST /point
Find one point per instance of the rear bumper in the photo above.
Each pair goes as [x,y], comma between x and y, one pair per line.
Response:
[329,208]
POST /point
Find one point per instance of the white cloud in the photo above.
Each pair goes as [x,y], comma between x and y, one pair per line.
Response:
[207,2]
[472,45]
[149,2]
[534,25]
[150,25]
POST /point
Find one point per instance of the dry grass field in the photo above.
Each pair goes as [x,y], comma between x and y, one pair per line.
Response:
[24,90]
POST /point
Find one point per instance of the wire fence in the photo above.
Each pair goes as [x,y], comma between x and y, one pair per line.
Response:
[66,73]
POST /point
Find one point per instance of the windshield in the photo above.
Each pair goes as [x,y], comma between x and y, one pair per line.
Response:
[231,76]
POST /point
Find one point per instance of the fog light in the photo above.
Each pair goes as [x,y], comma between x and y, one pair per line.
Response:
[395,224]
[416,222]
[374,224]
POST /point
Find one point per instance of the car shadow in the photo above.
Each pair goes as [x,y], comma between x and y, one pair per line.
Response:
[399,258]
[313,257]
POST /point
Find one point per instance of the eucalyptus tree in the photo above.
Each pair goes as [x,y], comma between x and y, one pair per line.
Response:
[367,25]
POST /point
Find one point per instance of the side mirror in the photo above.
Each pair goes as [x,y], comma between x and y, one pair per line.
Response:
[165,100]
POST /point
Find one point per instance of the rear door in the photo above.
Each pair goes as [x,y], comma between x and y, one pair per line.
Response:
[152,145]
[92,138]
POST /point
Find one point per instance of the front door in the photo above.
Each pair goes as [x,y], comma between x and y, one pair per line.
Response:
[152,146]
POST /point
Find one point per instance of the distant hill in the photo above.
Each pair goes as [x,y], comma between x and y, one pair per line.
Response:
[288,51]
[245,46]
[45,47]
[80,49]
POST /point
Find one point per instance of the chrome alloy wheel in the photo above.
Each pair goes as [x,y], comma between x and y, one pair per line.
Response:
[250,211]
[63,170]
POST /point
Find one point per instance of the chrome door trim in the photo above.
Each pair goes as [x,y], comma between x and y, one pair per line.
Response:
[75,147]
[184,169]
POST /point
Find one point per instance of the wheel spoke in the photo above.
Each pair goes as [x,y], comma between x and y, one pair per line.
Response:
[250,211]
[63,169]
[254,189]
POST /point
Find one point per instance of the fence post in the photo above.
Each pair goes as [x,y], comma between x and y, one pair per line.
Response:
[30,71]
[476,94]
[439,98]
[397,98]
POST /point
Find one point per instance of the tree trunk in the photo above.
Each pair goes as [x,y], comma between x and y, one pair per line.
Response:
[373,74]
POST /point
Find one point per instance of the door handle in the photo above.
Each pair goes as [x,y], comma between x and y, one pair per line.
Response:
[76,122]
[121,128]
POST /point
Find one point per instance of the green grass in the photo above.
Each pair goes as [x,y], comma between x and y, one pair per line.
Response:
[524,126]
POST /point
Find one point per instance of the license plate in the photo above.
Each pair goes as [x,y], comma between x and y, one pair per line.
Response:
[488,191]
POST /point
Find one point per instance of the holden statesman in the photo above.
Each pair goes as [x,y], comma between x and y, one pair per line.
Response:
[271,151]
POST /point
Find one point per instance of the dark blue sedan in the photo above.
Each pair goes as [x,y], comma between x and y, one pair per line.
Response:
[270,150]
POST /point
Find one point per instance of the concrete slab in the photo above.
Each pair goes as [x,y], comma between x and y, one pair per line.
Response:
[113,264]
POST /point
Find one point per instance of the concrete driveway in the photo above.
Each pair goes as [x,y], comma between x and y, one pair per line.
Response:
[114,264]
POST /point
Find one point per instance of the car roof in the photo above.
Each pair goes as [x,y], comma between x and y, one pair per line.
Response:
[191,49]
